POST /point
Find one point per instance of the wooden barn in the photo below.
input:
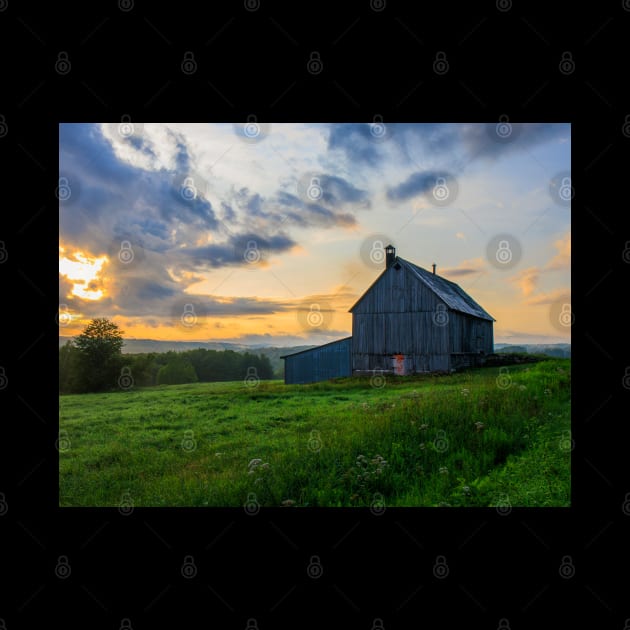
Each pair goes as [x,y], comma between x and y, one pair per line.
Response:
[409,320]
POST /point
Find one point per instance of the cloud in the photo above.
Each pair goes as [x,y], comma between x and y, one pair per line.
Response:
[526,280]
[416,184]
[290,207]
[236,251]
[356,141]
[551,297]
[480,141]
[338,192]
[562,259]
[465,268]
[450,146]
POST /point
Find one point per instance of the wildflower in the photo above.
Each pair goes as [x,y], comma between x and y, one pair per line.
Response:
[424,427]
[465,391]
[288,502]
[443,470]
[466,490]
[480,426]
[218,454]
[265,466]
[258,481]
[522,387]
[254,463]
[547,392]
[422,446]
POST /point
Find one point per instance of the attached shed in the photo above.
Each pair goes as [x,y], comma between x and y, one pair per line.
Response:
[319,364]
[412,320]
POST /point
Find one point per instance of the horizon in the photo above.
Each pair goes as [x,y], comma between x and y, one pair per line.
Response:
[267,233]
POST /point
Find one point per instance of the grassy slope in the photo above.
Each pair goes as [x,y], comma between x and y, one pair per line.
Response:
[139,442]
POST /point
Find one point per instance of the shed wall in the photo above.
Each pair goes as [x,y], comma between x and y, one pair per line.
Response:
[319,364]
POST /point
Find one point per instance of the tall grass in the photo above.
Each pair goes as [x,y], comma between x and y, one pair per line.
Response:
[463,439]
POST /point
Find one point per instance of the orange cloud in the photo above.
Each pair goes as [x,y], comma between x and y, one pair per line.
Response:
[550,298]
[465,268]
[562,259]
[526,280]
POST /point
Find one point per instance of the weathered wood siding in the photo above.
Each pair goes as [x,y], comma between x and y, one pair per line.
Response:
[470,334]
[400,315]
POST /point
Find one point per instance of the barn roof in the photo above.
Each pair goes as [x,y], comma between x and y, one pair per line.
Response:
[450,293]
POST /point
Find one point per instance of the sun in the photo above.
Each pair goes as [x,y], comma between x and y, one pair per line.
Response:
[82,270]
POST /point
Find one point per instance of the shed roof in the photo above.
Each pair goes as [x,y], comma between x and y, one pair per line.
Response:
[330,343]
[450,293]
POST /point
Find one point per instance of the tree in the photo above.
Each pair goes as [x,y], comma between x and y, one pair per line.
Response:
[100,346]
[178,370]
[69,369]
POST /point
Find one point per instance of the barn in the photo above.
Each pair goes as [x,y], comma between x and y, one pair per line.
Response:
[409,320]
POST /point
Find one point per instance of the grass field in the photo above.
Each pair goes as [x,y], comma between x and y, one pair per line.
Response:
[477,438]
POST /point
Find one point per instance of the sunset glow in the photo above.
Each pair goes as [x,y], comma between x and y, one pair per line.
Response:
[216,235]
[82,271]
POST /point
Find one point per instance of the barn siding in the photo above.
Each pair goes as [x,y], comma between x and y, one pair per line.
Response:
[470,334]
[331,360]
[398,316]
[397,291]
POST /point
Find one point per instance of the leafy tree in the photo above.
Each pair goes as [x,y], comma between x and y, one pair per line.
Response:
[100,347]
[69,368]
[178,370]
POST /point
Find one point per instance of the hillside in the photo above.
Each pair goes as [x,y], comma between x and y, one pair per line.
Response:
[480,438]
[557,350]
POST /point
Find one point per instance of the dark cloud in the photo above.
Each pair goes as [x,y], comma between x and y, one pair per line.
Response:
[404,139]
[479,141]
[233,251]
[228,212]
[141,144]
[355,140]
[338,191]
[463,271]
[118,199]
[415,184]
[453,145]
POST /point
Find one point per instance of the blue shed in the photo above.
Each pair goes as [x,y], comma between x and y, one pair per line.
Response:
[319,364]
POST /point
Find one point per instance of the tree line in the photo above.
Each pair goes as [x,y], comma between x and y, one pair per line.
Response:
[94,362]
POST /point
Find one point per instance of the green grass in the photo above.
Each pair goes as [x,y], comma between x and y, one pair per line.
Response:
[324,443]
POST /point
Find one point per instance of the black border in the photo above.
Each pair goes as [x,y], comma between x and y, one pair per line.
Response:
[128,62]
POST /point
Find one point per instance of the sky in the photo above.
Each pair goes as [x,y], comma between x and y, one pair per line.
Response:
[267,233]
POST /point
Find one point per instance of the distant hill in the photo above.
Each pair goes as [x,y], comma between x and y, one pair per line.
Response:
[140,346]
[558,350]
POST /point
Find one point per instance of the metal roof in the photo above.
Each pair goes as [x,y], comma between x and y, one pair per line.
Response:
[450,293]
[284,356]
